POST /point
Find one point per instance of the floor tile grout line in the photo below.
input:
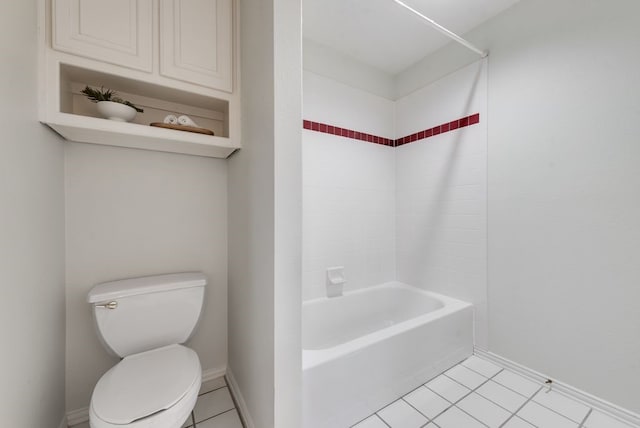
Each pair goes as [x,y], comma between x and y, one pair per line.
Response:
[414,389]
[374,414]
[213,390]
[471,391]
[218,414]
[415,408]
[463,397]
[383,421]
[513,390]
[470,415]
[536,393]
[477,372]
[243,423]
[585,418]
[555,411]
[459,383]
[455,403]
[497,404]
[214,416]
[520,408]
[508,371]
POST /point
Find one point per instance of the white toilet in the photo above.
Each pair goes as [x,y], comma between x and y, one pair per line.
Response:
[144,321]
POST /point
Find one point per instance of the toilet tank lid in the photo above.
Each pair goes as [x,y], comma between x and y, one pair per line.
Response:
[147,284]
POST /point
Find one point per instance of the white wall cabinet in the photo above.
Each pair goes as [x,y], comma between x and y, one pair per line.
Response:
[196,40]
[167,56]
[195,36]
[115,31]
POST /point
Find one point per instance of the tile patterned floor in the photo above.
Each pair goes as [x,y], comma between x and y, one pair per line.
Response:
[214,409]
[478,394]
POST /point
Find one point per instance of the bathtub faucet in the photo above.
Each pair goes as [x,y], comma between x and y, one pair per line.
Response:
[335,281]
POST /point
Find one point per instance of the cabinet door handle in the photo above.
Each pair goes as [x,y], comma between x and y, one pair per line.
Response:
[110,305]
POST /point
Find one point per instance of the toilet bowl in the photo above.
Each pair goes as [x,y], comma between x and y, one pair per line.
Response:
[144,321]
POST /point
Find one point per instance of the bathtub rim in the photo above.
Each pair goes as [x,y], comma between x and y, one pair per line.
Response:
[315,357]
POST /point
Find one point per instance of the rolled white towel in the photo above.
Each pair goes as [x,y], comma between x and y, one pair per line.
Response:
[171,119]
[186,121]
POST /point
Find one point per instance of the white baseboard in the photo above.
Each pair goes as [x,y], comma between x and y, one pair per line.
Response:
[243,410]
[63,423]
[78,416]
[597,403]
[215,373]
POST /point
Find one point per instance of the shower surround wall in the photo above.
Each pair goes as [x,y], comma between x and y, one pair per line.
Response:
[415,212]
[348,188]
[441,192]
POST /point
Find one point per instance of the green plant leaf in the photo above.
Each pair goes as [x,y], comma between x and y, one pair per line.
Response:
[95,95]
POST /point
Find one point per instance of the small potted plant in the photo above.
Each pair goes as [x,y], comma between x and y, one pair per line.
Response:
[110,106]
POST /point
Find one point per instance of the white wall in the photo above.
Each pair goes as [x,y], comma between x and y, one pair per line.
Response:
[563,200]
[135,213]
[288,213]
[441,192]
[264,218]
[334,65]
[348,188]
[31,235]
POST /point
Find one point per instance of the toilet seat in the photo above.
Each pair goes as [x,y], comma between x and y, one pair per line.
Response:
[156,388]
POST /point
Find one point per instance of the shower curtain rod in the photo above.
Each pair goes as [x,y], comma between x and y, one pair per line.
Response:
[443,30]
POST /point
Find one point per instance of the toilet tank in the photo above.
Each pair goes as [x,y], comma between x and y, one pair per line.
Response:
[138,314]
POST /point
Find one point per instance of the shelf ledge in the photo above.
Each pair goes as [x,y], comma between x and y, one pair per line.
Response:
[85,129]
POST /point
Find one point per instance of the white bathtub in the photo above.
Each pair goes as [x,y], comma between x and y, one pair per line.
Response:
[365,349]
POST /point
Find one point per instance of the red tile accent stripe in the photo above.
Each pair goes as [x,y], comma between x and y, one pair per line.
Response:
[348,133]
[440,129]
[417,136]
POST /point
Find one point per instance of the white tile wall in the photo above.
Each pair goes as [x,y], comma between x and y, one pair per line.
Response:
[441,193]
[414,213]
[328,101]
[348,189]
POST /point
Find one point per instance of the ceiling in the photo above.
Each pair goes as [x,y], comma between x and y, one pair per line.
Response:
[384,35]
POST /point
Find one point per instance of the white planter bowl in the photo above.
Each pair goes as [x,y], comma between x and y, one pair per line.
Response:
[116,111]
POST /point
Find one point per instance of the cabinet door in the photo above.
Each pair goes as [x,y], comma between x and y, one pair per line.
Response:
[196,42]
[114,31]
